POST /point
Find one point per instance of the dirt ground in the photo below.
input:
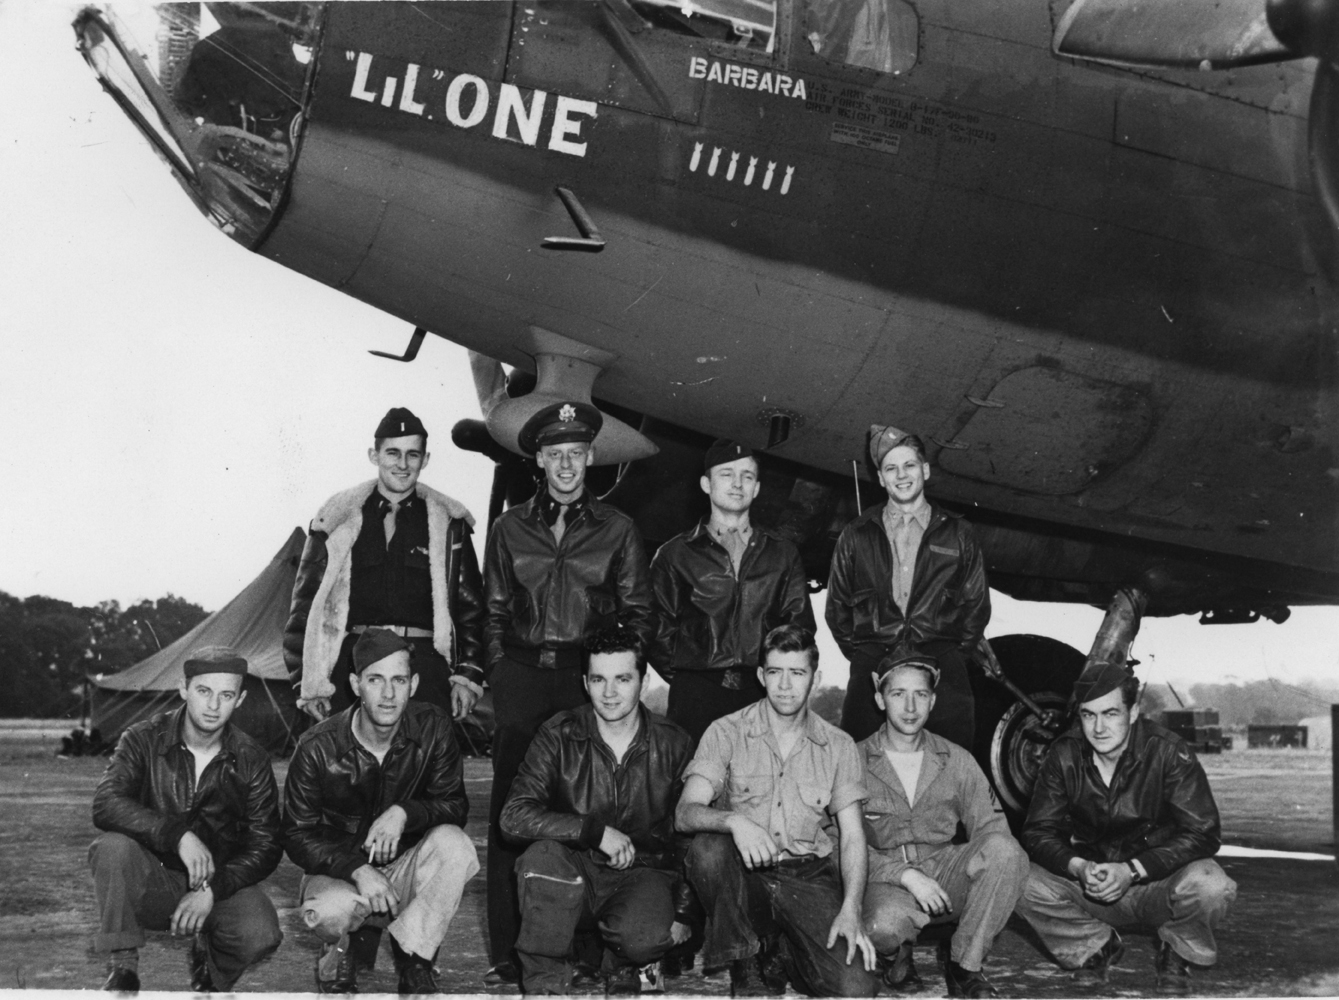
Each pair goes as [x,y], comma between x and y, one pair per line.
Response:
[1282,937]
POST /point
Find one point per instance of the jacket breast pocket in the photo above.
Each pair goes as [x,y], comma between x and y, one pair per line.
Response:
[341,822]
[749,791]
[600,609]
[814,810]
[416,559]
[865,611]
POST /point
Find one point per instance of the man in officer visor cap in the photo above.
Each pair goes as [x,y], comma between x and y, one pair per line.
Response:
[390,553]
[555,568]
[1122,830]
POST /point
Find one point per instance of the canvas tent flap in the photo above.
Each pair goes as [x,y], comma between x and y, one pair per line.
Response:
[253,624]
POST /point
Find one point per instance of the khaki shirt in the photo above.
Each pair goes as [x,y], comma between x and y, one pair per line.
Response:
[793,798]
[951,788]
[905,532]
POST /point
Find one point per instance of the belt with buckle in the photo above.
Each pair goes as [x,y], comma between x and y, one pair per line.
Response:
[404,631]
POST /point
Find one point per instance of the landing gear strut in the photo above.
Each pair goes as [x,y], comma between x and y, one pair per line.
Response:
[1022,702]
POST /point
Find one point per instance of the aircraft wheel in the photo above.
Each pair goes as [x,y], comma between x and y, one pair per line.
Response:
[1010,740]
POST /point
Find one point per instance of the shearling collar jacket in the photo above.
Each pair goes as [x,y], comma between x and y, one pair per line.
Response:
[949,600]
[543,596]
[1158,809]
[318,618]
[710,618]
[151,793]
[336,789]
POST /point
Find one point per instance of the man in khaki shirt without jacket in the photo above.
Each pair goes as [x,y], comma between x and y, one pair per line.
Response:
[921,787]
[762,861]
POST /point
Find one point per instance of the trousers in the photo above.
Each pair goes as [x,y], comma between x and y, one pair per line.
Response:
[697,699]
[954,714]
[983,879]
[429,878]
[795,900]
[135,890]
[1185,908]
[524,698]
[562,890]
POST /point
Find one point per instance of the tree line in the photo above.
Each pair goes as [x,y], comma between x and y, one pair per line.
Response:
[48,647]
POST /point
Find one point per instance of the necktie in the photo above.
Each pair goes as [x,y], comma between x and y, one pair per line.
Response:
[560,524]
[389,522]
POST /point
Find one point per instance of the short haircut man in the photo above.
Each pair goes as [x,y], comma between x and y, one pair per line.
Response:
[908,572]
[557,567]
[388,553]
[190,812]
[405,863]
[595,796]
[761,860]
[1122,831]
[921,787]
[717,589]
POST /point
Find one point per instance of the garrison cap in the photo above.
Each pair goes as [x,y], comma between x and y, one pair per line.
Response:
[884,438]
[724,450]
[560,423]
[905,658]
[399,422]
[375,645]
[214,660]
[1100,679]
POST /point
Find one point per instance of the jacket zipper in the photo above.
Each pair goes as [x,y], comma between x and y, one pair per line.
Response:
[553,878]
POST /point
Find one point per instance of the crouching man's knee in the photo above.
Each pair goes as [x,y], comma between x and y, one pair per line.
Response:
[1203,886]
[452,845]
[332,907]
[112,850]
[254,932]
[1000,859]
[891,916]
[709,854]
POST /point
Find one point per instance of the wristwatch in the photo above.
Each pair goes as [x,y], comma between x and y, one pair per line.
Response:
[1135,877]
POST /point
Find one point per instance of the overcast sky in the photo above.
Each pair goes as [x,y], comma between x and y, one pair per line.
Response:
[173,406]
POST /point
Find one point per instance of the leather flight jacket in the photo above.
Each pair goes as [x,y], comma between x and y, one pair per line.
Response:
[570,788]
[336,789]
[464,590]
[1158,809]
[949,599]
[150,793]
[707,619]
[542,597]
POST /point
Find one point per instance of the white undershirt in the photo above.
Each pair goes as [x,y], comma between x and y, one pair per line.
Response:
[908,769]
[202,759]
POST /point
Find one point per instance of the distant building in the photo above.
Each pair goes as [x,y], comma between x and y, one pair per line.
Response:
[1319,733]
[1276,736]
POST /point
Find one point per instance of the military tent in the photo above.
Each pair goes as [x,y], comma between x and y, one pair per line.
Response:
[253,624]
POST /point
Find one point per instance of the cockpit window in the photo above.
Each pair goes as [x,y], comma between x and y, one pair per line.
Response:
[881,35]
[748,24]
[217,88]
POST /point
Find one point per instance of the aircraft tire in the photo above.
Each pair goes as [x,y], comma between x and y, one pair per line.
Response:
[1007,744]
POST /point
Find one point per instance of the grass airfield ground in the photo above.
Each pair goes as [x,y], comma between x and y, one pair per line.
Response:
[1282,937]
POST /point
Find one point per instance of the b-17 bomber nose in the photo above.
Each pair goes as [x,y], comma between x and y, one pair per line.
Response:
[218,90]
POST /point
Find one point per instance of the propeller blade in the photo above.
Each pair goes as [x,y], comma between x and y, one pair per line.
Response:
[1216,34]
